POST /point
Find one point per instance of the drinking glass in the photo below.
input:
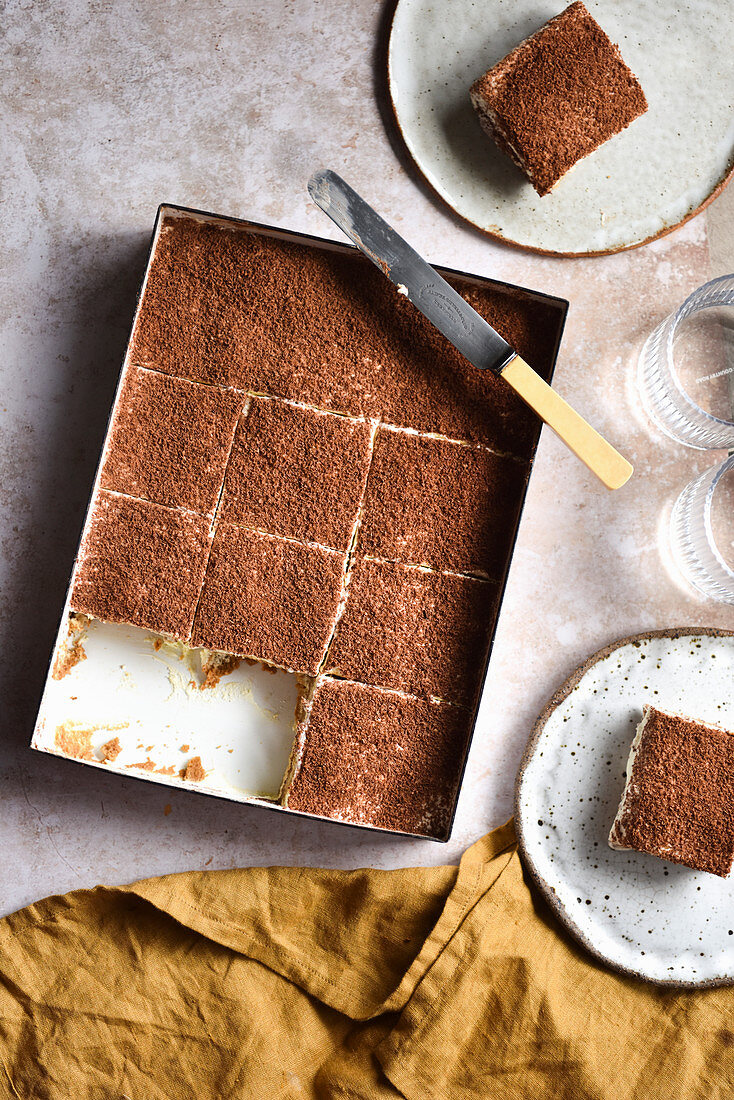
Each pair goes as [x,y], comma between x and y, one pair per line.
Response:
[685,373]
[702,531]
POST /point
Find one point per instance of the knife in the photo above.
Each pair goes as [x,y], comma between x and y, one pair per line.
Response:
[462,325]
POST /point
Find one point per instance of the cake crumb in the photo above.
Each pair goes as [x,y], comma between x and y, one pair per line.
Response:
[72,650]
[194,771]
[217,665]
[147,765]
[74,740]
[184,748]
[111,750]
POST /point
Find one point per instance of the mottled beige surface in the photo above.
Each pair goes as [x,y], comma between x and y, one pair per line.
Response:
[110,109]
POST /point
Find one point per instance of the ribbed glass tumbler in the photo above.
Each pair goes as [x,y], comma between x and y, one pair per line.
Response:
[668,375]
[702,532]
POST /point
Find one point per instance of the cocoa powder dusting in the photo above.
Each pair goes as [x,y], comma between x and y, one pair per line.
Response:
[380,758]
[142,564]
[440,504]
[680,797]
[268,597]
[297,473]
[420,632]
[325,328]
[169,440]
[558,96]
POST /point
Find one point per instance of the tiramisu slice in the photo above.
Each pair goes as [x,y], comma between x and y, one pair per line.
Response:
[378,758]
[678,801]
[170,439]
[434,502]
[142,564]
[557,97]
[297,472]
[414,630]
[269,598]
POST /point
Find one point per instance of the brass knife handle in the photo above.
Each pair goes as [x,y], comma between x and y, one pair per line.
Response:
[586,443]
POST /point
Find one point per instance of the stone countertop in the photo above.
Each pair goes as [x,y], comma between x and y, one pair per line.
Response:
[112,108]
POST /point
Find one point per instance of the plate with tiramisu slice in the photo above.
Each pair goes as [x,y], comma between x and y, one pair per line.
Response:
[624,806]
[574,129]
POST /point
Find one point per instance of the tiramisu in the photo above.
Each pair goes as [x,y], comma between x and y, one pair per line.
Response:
[325,328]
[378,758]
[439,503]
[678,801]
[269,598]
[557,97]
[414,630]
[142,564]
[302,472]
[169,440]
[297,472]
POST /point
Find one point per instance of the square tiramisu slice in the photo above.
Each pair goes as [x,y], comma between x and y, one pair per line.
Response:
[297,472]
[379,758]
[678,801]
[413,630]
[269,599]
[193,318]
[557,97]
[170,439]
[142,564]
[433,502]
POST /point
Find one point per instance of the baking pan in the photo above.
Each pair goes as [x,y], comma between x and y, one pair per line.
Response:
[120,698]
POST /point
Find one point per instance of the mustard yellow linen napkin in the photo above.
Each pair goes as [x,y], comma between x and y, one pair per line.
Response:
[284,982]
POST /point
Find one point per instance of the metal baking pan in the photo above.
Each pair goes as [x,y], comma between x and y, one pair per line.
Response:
[134,704]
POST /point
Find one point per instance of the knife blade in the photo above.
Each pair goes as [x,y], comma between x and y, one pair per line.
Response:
[461,324]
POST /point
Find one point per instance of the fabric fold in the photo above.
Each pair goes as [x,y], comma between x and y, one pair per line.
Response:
[339,985]
[345,937]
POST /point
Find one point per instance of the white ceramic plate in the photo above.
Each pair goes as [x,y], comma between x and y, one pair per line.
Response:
[641,184]
[659,921]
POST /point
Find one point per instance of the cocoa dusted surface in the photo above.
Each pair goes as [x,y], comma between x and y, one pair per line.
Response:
[679,803]
[326,328]
[380,758]
[416,631]
[441,504]
[268,599]
[142,564]
[558,96]
[170,439]
[297,472]
[193,320]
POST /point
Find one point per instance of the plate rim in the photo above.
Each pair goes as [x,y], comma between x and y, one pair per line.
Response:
[498,237]
[549,896]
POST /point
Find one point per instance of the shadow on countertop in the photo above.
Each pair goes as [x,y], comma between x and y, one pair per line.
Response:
[49,452]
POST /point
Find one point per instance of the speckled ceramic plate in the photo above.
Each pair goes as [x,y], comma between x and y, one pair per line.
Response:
[644,182]
[656,920]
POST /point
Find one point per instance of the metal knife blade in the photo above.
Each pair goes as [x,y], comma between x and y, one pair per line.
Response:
[462,325]
[432,295]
